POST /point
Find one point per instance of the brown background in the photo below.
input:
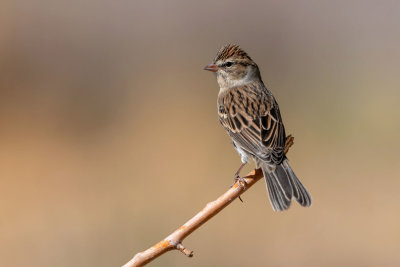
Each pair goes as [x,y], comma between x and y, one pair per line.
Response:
[109,137]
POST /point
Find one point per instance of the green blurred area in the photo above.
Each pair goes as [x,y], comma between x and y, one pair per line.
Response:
[109,137]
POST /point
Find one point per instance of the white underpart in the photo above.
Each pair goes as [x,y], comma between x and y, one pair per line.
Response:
[242,154]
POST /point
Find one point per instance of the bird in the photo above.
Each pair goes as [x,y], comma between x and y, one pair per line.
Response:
[250,114]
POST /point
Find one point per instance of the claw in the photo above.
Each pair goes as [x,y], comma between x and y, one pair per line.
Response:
[237,179]
[241,181]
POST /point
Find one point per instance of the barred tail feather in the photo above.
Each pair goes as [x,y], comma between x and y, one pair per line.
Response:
[282,185]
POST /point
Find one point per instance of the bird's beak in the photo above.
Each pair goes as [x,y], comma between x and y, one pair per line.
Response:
[211,67]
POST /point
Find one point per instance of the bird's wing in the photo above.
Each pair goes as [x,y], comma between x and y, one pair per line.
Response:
[251,116]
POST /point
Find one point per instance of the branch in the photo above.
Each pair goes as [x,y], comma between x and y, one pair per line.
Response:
[174,240]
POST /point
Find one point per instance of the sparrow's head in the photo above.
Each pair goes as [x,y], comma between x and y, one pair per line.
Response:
[233,67]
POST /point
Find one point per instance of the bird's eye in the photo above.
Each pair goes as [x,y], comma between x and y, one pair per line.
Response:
[229,64]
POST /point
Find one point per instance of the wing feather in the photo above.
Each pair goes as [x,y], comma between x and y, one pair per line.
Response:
[251,116]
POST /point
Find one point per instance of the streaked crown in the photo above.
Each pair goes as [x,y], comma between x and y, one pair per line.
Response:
[231,50]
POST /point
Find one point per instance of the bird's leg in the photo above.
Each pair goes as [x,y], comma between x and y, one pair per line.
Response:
[241,181]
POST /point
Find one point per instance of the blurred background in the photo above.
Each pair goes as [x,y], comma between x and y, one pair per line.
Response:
[109,137]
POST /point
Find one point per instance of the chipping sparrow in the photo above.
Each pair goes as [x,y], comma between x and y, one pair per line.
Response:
[250,114]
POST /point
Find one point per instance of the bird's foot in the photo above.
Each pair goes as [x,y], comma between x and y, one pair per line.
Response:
[239,180]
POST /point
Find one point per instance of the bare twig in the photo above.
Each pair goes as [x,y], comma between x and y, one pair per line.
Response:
[174,240]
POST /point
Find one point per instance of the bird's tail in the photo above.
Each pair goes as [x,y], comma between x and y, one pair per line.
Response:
[282,185]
